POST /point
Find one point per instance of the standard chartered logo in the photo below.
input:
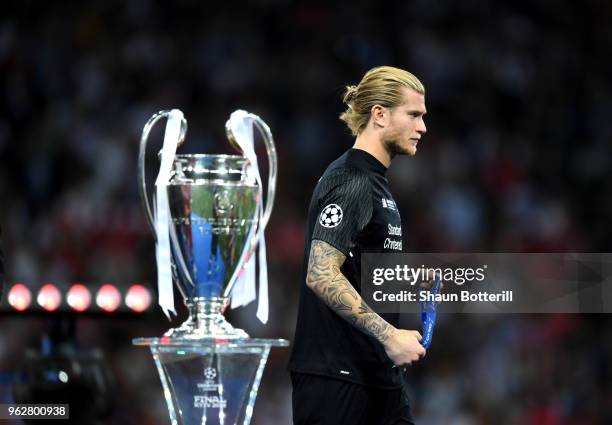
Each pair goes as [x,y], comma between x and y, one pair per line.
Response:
[390,243]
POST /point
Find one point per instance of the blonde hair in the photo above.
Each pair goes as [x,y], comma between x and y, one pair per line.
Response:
[379,86]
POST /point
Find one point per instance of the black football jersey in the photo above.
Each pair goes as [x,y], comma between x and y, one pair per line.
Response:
[352,210]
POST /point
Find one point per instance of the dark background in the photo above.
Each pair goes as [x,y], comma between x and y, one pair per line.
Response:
[517,158]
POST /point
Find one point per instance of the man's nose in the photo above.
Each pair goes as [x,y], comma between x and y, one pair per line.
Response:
[421,128]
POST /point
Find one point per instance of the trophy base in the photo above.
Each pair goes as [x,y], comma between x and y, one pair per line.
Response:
[206,321]
[210,382]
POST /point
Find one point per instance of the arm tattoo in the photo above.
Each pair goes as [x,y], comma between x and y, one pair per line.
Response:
[327,281]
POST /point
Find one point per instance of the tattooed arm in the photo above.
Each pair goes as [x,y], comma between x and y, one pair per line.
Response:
[327,281]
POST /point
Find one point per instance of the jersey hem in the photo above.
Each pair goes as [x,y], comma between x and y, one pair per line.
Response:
[308,371]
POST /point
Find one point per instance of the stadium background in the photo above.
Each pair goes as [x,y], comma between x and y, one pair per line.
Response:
[517,159]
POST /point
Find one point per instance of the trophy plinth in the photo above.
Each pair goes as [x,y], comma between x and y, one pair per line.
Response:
[210,382]
[206,319]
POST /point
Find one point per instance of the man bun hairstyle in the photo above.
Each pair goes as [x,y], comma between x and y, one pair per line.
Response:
[379,86]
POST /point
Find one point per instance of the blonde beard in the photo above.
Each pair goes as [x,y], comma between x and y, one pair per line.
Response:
[394,148]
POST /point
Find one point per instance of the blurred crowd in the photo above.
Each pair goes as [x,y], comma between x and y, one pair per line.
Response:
[517,158]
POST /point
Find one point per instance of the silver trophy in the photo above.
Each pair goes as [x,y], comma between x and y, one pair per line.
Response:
[210,371]
[214,229]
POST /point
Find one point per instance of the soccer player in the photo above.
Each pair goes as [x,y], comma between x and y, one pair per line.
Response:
[344,357]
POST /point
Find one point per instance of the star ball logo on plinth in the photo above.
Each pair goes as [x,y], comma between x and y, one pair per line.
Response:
[210,373]
[209,385]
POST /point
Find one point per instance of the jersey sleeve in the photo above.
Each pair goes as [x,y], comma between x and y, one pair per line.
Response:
[344,209]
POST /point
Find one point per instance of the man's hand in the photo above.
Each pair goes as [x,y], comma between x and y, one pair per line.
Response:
[403,347]
[429,280]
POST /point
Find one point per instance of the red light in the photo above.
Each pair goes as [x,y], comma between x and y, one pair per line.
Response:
[19,297]
[108,298]
[79,297]
[49,297]
[138,298]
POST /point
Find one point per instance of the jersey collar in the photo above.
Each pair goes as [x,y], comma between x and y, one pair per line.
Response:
[367,161]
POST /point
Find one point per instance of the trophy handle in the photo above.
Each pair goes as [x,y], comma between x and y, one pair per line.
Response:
[266,135]
[141,161]
[143,189]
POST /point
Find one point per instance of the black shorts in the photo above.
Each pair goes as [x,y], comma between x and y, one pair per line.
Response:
[318,400]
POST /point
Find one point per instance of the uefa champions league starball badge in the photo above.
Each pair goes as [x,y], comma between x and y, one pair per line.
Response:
[331,216]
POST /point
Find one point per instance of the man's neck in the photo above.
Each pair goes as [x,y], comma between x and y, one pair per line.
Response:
[374,147]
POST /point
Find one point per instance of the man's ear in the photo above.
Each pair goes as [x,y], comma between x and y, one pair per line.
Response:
[380,116]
